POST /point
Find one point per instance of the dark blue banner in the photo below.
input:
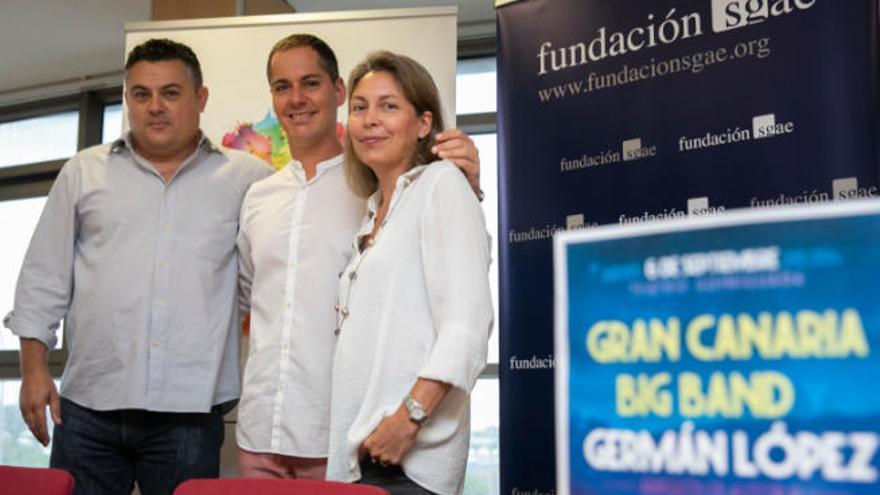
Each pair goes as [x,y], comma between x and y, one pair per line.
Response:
[627,112]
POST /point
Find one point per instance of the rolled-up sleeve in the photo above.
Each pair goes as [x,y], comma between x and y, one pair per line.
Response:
[45,284]
[456,260]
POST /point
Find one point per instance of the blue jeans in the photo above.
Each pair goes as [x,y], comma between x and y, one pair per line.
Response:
[107,451]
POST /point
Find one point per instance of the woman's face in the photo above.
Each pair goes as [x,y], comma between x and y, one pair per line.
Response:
[383,124]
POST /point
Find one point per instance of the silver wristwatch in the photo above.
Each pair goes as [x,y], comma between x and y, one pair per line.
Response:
[417,413]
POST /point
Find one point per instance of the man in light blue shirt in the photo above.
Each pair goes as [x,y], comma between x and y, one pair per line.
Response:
[135,250]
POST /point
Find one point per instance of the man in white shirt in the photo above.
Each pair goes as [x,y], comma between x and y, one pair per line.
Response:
[295,238]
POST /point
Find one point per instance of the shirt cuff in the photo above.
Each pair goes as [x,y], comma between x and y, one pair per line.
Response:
[27,330]
[458,357]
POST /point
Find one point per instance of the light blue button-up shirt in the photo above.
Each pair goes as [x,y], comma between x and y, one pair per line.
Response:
[143,272]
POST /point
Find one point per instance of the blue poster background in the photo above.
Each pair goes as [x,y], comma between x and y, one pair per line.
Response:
[827,264]
[815,77]
[824,265]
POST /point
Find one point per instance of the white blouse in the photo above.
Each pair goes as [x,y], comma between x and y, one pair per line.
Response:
[294,240]
[416,304]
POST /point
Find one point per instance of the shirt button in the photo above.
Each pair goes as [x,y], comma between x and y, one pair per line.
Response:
[345,312]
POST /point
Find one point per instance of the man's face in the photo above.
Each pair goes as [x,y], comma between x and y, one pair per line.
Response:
[163,108]
[304,97]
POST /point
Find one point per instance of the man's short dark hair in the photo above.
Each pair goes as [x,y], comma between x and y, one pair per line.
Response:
[325,53]
[162,49]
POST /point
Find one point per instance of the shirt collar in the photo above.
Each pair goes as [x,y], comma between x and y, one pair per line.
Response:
[124,143]
[402,182]
[296,167]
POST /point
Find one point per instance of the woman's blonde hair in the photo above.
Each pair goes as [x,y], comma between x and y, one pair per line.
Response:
[419,89]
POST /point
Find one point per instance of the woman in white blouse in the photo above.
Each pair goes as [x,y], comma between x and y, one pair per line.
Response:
[414,312]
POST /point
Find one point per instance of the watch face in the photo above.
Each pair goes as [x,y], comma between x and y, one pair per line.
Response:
[416,411]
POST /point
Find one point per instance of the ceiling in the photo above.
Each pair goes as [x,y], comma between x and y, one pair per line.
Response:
[51,46]
[475,17]
[49,41]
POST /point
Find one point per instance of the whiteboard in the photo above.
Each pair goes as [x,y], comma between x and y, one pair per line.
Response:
[233,53]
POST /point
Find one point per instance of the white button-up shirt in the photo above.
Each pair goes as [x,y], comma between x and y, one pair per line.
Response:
[415,304]
[295,239]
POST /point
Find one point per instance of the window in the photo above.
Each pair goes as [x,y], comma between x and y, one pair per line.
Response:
[475,106]
[486,143]
[18,447]
[112,125]
[475,93]
[34,141]
[483,466]
[19,218]
[38,139]
[475,86]
[482,476]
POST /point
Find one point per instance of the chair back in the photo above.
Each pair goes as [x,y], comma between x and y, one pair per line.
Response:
[253,486]
[35,481]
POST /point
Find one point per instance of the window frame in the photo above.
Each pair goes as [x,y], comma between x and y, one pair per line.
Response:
[476,124]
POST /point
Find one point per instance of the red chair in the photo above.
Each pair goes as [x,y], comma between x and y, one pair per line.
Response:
[35,481]
[252,486]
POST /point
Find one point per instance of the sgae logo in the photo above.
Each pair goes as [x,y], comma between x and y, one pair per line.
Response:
[732,14]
